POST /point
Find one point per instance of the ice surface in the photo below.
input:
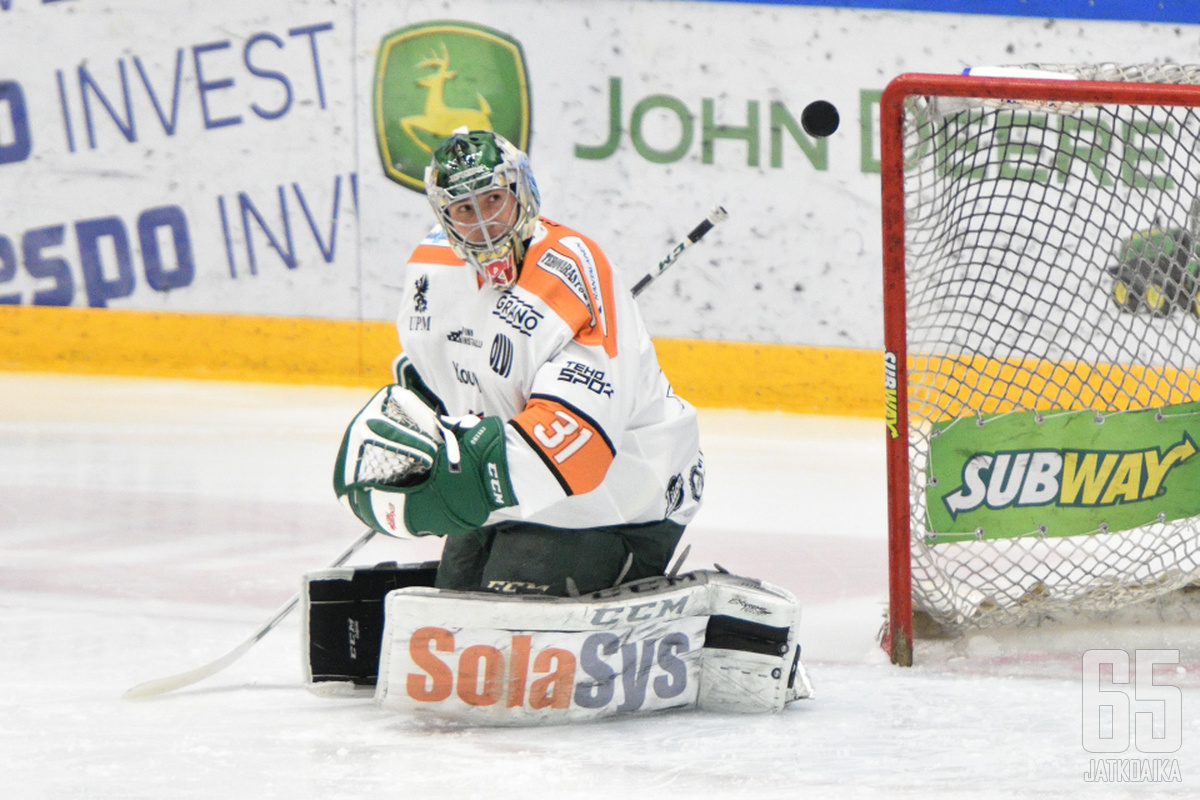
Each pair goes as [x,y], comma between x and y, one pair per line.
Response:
[148,527]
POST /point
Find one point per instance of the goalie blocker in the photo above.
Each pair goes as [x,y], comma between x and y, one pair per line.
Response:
[702,639]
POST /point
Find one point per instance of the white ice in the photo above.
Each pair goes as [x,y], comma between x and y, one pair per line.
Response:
[148,527]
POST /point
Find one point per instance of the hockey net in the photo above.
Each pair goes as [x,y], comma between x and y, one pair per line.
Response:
[1043,351]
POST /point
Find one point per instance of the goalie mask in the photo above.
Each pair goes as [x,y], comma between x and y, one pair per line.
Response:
[483,193]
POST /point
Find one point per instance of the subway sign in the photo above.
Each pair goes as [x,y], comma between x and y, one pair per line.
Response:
[1062,473]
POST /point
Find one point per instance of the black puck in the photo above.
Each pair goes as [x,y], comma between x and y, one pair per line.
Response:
[820,119]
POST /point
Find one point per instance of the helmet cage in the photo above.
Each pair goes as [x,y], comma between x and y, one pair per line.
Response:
[465,169]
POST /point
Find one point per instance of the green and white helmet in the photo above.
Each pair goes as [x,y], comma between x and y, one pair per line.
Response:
[482,190]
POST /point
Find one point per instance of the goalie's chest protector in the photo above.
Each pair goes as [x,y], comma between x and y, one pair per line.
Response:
[478,348]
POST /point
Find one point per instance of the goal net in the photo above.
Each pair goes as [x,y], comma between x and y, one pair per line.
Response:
[1042,333]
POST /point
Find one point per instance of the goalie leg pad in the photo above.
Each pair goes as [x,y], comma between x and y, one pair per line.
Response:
[751,655]
[706,639]
[343,622]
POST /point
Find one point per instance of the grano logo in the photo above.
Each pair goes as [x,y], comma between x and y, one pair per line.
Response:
[519,314]
[1066,478]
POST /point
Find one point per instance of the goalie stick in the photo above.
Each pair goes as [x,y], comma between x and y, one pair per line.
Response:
[173,682]
[716,215]
[170,683]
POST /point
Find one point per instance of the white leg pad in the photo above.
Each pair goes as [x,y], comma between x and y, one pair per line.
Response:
[706,639]
[751,655]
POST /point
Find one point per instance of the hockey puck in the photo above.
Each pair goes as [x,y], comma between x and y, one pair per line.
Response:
[820,119]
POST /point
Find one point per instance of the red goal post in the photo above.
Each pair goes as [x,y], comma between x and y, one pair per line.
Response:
[1041,246]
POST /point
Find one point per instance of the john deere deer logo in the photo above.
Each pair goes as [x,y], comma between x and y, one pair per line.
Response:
[438,118]
[433,77]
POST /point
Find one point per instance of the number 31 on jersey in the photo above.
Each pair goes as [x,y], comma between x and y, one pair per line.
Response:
[569,442]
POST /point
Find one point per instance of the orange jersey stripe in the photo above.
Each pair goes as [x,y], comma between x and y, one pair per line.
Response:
[562,284]
[569,443]
[435,254]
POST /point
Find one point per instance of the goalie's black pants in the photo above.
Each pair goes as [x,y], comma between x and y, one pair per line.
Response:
[517,557]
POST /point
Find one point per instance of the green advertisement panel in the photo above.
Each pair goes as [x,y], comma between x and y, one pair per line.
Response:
[1062,473]
[433,77]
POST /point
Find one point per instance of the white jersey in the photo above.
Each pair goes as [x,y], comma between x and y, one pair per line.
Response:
[595,435]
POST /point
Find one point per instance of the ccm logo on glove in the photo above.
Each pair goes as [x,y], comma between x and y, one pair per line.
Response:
[496,486]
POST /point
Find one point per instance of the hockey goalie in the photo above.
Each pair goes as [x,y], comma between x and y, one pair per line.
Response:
[532,428]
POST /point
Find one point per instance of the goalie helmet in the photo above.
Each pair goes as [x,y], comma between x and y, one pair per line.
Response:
[483,193]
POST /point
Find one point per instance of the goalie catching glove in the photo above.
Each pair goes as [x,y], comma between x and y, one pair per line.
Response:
[404,470]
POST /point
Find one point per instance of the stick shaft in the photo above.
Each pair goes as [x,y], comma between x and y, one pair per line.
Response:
[172,682]
[716,215]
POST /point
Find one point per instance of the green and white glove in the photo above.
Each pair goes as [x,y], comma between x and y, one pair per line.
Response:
[404,471]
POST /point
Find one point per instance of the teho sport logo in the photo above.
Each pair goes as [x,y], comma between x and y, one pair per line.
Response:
[433,77]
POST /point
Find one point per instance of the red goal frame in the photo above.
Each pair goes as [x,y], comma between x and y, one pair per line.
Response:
[897,637]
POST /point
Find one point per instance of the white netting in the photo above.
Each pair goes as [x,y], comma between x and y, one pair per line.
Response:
[387,465]
[1050,265]
[393,466]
